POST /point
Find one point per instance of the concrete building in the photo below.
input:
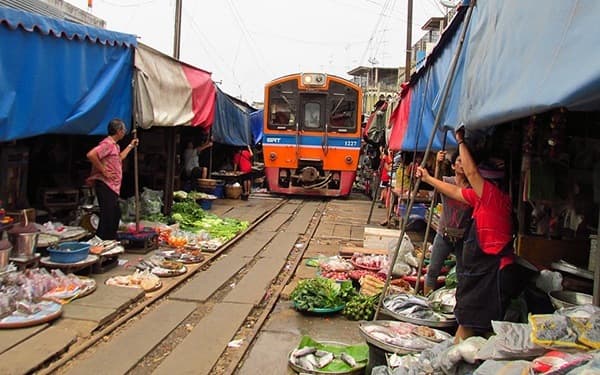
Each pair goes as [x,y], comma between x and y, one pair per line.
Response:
[55,8]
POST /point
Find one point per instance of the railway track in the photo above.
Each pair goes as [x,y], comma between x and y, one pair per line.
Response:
[205,323]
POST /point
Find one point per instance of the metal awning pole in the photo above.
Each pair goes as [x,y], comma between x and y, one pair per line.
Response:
[438,117]
[136,182]
[429,218]
[136,185]
[596,292]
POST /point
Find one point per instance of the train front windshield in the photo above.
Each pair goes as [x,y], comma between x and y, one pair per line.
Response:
[334,109]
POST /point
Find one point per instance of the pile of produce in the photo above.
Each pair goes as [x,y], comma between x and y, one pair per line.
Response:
[321,293]
[191,217]
[361,307]
[22,291]
[371,285]
[370,262]
[140,279]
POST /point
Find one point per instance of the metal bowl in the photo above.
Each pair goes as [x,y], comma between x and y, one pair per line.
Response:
[567,298]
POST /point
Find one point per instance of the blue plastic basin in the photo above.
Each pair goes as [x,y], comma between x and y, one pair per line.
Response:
[69,252]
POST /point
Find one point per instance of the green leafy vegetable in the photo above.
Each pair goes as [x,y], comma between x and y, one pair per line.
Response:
[191,217]
[321,292]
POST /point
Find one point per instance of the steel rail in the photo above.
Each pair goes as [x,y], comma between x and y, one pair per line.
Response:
[77,349]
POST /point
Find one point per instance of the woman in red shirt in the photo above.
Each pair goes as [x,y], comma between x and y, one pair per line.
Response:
[487,276]
[242,161]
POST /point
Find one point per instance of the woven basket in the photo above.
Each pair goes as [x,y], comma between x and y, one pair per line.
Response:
[207,183]
[233,192]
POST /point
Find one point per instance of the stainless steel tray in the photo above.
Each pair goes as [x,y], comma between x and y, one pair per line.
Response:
[422,322]
[561,265]
[397,349]
[384,346]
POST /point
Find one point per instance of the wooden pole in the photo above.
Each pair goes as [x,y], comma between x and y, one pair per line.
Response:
[136,183]
[170,135]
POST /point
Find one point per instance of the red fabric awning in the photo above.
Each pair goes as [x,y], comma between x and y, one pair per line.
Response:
[399,121]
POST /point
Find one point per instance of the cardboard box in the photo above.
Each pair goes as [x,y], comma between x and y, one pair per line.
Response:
[380,238]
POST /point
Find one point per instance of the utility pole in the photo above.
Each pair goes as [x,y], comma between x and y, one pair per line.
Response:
[408,62]
[170,132]
[177,33]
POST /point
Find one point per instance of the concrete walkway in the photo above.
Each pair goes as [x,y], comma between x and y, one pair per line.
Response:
[256,260]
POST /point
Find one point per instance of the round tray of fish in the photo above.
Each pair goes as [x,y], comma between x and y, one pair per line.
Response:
[309,360]
[442,320]
[400,337]
[449,322]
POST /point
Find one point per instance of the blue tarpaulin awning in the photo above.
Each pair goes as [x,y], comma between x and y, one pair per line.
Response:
[256,124]
[232,121]
[519,58]
[60,77]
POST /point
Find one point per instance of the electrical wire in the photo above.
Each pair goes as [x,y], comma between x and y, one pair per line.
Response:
[373,44]
[260,62]
[130,5]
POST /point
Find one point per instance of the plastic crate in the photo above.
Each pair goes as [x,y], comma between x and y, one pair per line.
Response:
[419,210]
[206,204]
[69,252]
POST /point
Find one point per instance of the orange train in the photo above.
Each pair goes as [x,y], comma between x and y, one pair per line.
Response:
[312,134]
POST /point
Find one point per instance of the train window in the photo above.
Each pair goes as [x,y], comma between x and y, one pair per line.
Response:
[342,115]
[342,108]
[282,106]
[281,115]
[312,115]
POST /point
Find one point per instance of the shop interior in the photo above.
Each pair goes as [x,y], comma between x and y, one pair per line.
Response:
[49,172]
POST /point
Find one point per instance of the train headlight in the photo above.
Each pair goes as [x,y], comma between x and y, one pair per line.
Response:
[272,156]
[314,79]
[348,159]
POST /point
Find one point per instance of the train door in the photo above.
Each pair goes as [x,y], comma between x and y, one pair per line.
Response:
[313,121]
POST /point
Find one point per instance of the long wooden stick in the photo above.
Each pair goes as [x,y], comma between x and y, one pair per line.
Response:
[136,182]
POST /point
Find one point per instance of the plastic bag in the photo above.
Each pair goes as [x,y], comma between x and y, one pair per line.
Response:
[556,362]
[491,367]
[590,368]
[151,201]
[588,331]
[553,331]
[512,340]
[549,281]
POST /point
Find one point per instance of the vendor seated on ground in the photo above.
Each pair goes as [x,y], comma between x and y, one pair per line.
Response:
[191,160]
[242,161]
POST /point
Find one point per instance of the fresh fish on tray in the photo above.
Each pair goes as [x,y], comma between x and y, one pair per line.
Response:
[348,359]
[401,335]
[413,307]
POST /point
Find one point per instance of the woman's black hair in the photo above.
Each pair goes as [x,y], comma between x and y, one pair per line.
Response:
[454,156]
[115,125]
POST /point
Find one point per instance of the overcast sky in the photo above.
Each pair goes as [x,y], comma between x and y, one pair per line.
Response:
[248,43]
